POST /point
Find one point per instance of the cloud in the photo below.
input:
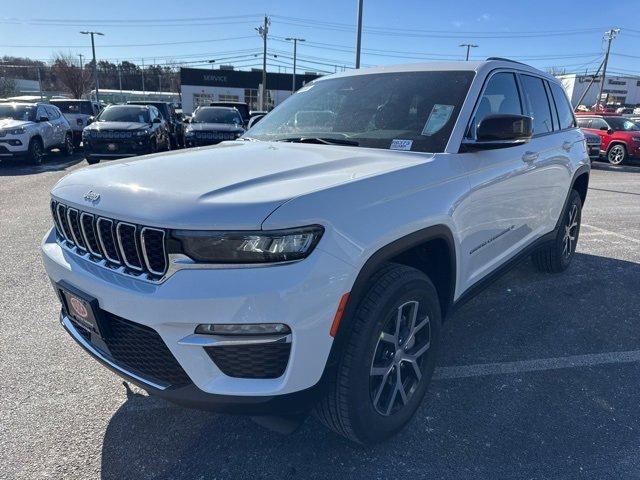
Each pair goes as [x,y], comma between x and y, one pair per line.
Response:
[484,17]
[457,23]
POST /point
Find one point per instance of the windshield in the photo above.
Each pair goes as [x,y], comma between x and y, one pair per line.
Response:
[124,114]
[74,107]
[401,111]
[216,115]
[18,112]
[622,124]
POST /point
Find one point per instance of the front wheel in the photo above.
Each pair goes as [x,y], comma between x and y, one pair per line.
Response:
[68,147]
[388,358]
[557,255]
[617,154]
[36,151]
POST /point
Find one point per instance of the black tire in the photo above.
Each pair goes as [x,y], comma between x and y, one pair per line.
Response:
[557,255]
[349,406]
[92,161]
[68,147]
[36,151]
[617,154]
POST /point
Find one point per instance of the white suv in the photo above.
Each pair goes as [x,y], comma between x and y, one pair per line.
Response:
[309,265]
[30,129]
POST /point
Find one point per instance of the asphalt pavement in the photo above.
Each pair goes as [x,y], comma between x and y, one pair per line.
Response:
[537,377]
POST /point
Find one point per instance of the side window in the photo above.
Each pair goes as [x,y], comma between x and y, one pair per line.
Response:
[153,113]
[499,96]
[565,112]
[41,112]
[53,112]
[537,104]
[584,122]
[599,124]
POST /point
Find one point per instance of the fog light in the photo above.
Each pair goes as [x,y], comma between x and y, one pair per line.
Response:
[243,329]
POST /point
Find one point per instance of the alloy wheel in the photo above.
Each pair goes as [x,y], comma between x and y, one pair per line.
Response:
[616,154]
[37,153]
[68,145]
[396,369]
[570,232]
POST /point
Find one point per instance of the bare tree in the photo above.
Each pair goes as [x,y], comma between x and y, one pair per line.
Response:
[8,87]
[72,77]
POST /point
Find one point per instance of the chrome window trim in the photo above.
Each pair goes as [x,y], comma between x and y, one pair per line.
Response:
[101,241]
[124,255]
[144,250]
[95,234]
[64,230]
[73,234]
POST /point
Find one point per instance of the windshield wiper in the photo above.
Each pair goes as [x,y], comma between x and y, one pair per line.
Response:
[320,141]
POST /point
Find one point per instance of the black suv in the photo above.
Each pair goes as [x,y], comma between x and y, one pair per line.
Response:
[211,125]
[174,123]
[243,109]
[125,131]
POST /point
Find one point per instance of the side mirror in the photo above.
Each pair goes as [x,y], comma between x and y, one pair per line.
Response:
[501,131]
[253,120]
[157,120]
[186,120]
[43,119]
[91,119]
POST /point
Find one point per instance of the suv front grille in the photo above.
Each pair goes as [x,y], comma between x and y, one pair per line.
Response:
[139,250]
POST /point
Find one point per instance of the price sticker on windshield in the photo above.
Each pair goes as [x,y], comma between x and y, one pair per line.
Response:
[399,144]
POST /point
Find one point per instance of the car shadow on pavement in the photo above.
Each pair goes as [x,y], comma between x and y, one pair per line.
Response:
[52,162]
[560,423]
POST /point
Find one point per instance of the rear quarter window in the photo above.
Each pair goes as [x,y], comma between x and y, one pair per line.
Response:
[565,112]
[537,104]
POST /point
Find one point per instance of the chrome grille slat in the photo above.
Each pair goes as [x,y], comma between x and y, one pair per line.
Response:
[90,238]
[61,211]
[103,241]
[74,227]
[122,247]
[130,260]
[147,250]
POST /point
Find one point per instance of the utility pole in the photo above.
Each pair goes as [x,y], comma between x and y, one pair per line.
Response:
[359,34]
[120,80]
[609,36]
[81,63]
[263,31]
[142,71]
[593,79]
[469,47]
[95,63]
[39,83]
[295,45]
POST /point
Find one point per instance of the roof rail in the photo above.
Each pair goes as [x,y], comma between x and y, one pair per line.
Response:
[502,59]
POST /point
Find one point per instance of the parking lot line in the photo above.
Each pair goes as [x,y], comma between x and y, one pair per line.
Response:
[609,232]
[536,365]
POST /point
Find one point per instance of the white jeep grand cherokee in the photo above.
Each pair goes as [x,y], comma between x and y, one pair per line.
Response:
[309,265]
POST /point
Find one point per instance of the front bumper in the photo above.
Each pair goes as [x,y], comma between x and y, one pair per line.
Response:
[303,295]
[14,146]
[116,148]
[594,150]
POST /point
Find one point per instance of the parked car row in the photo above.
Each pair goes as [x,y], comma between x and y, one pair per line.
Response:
[619,136]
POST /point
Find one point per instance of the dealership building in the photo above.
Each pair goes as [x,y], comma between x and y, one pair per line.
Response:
[201,87]
[619,90]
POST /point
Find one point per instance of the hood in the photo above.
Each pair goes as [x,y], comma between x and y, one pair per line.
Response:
[117,126]
[11,123]
[591,137]
[234,185]
[215,127]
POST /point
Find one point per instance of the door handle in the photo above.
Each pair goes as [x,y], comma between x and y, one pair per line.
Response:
[566,146]
[529,157]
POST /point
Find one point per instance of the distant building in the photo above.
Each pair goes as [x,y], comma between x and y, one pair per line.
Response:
[201,87]
[122,96]
[619,90]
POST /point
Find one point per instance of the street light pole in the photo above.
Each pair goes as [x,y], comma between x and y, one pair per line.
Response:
[359,34]
[263,31]
[295,45]
[95,63]
[469,47]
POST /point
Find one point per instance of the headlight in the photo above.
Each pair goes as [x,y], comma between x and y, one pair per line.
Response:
[189,133]
[141,133]
[249,247]
[16,131]
[86,133]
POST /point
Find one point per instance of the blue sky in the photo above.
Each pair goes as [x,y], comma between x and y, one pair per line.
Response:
[543,33]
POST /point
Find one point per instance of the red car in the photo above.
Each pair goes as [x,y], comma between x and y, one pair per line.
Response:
[620,136]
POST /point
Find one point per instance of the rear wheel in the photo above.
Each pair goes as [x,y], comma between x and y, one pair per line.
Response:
[557,256]
[36,151]
[617,154]
[388,359]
